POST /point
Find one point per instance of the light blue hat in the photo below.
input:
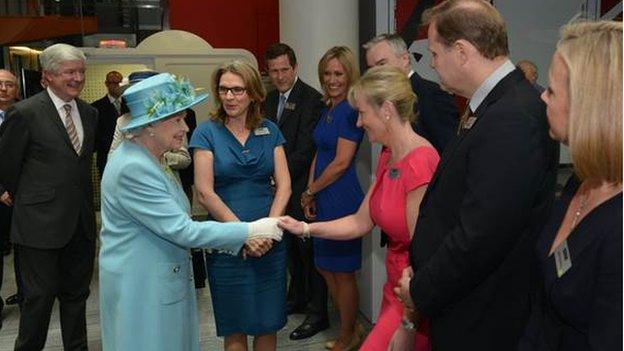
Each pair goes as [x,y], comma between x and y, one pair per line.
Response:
[159,97]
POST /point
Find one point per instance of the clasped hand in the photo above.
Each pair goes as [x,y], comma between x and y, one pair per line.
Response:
[261,235]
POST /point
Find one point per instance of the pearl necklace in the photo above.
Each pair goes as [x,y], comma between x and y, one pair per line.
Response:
[579,210]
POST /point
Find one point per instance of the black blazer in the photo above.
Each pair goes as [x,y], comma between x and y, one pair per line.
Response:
[49,182]
[581,310]
[297,124]
[438,116]
[107,120]
[478,220]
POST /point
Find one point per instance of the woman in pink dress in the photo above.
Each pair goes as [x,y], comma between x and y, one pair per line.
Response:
[384,100]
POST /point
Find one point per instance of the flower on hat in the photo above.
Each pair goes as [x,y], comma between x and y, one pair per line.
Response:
[174,98]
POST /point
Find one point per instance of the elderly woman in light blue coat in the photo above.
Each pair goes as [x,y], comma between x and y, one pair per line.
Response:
[147,295]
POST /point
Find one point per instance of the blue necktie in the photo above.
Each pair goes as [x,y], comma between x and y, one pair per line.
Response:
[280,106]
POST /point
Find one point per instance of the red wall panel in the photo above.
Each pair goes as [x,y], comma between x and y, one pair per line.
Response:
[247,24]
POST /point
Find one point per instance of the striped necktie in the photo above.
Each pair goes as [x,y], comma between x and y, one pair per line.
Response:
[71,129]
[280,106]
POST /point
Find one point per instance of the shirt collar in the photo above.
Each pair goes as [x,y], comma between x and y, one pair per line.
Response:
[111,98]
[287,93]
[486,87]
[58,102]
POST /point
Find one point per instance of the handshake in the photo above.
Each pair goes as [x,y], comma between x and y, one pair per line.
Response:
[261,235]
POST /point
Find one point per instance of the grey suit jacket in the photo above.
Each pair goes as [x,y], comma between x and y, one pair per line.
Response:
[49,182]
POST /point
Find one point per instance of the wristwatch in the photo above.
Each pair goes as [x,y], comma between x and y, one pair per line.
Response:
[407,324]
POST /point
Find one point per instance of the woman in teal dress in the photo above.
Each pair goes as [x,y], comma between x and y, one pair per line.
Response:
[241,174]
[334,191]
[147,294]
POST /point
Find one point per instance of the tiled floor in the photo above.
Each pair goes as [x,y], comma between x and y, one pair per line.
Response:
[208,338]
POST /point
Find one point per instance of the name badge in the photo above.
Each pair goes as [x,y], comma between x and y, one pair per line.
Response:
[290,106]
[262,131]
[563,260]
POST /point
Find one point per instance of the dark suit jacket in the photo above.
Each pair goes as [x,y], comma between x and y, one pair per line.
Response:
[438,116]
[49,182]
[478,221]
[297,125]
[107,120]
[582,309]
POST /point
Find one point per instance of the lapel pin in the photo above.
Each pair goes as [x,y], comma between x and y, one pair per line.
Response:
[290,106]
[394,173]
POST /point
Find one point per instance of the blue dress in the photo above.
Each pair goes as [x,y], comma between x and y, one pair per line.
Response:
[343,196]
[248,295]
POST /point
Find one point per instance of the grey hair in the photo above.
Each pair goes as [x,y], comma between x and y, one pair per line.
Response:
[54,55]
[394,40]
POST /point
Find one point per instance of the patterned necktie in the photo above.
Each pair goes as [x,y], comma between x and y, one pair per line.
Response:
[463,120]
[71,129]
[117,105]
[280,106]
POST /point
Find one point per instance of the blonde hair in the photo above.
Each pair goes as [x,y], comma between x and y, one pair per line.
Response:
[386,83]
[592,52]
[345,56]
[254,89]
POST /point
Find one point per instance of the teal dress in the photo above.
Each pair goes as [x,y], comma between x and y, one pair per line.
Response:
[248,295]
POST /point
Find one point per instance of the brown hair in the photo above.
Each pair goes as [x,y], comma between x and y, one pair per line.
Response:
[254,88]
[475,21]
[276,50]
[592,52]
[345,56]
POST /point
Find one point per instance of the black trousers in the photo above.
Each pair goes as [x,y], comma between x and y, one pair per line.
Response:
[307,287]
[47,274]
[5,229]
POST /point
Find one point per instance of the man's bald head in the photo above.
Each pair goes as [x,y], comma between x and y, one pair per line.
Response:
[529,69]
[113,79]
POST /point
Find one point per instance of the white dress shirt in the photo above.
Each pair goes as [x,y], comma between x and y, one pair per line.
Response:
[75,115]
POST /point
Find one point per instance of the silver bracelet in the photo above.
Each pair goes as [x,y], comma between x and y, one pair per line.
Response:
[306,230]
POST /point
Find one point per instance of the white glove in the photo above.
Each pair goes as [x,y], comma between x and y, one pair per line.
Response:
[265,228]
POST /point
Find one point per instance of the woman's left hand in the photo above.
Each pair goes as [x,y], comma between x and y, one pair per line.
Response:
[402,291]
[306,199]
[402,340]
[257,247]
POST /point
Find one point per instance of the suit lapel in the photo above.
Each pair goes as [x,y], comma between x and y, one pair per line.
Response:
[499,90]
[293,100]
[271,105]
[87,126]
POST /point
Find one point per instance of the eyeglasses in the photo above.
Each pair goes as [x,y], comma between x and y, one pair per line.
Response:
[7,84]
[236,91]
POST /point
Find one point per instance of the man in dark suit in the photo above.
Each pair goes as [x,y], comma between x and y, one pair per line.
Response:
[47,145]
[437,115]
[472,248]
[295,107]
[8,95]
[109,108]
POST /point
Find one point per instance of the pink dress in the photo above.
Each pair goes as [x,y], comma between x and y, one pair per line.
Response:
[387,206]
